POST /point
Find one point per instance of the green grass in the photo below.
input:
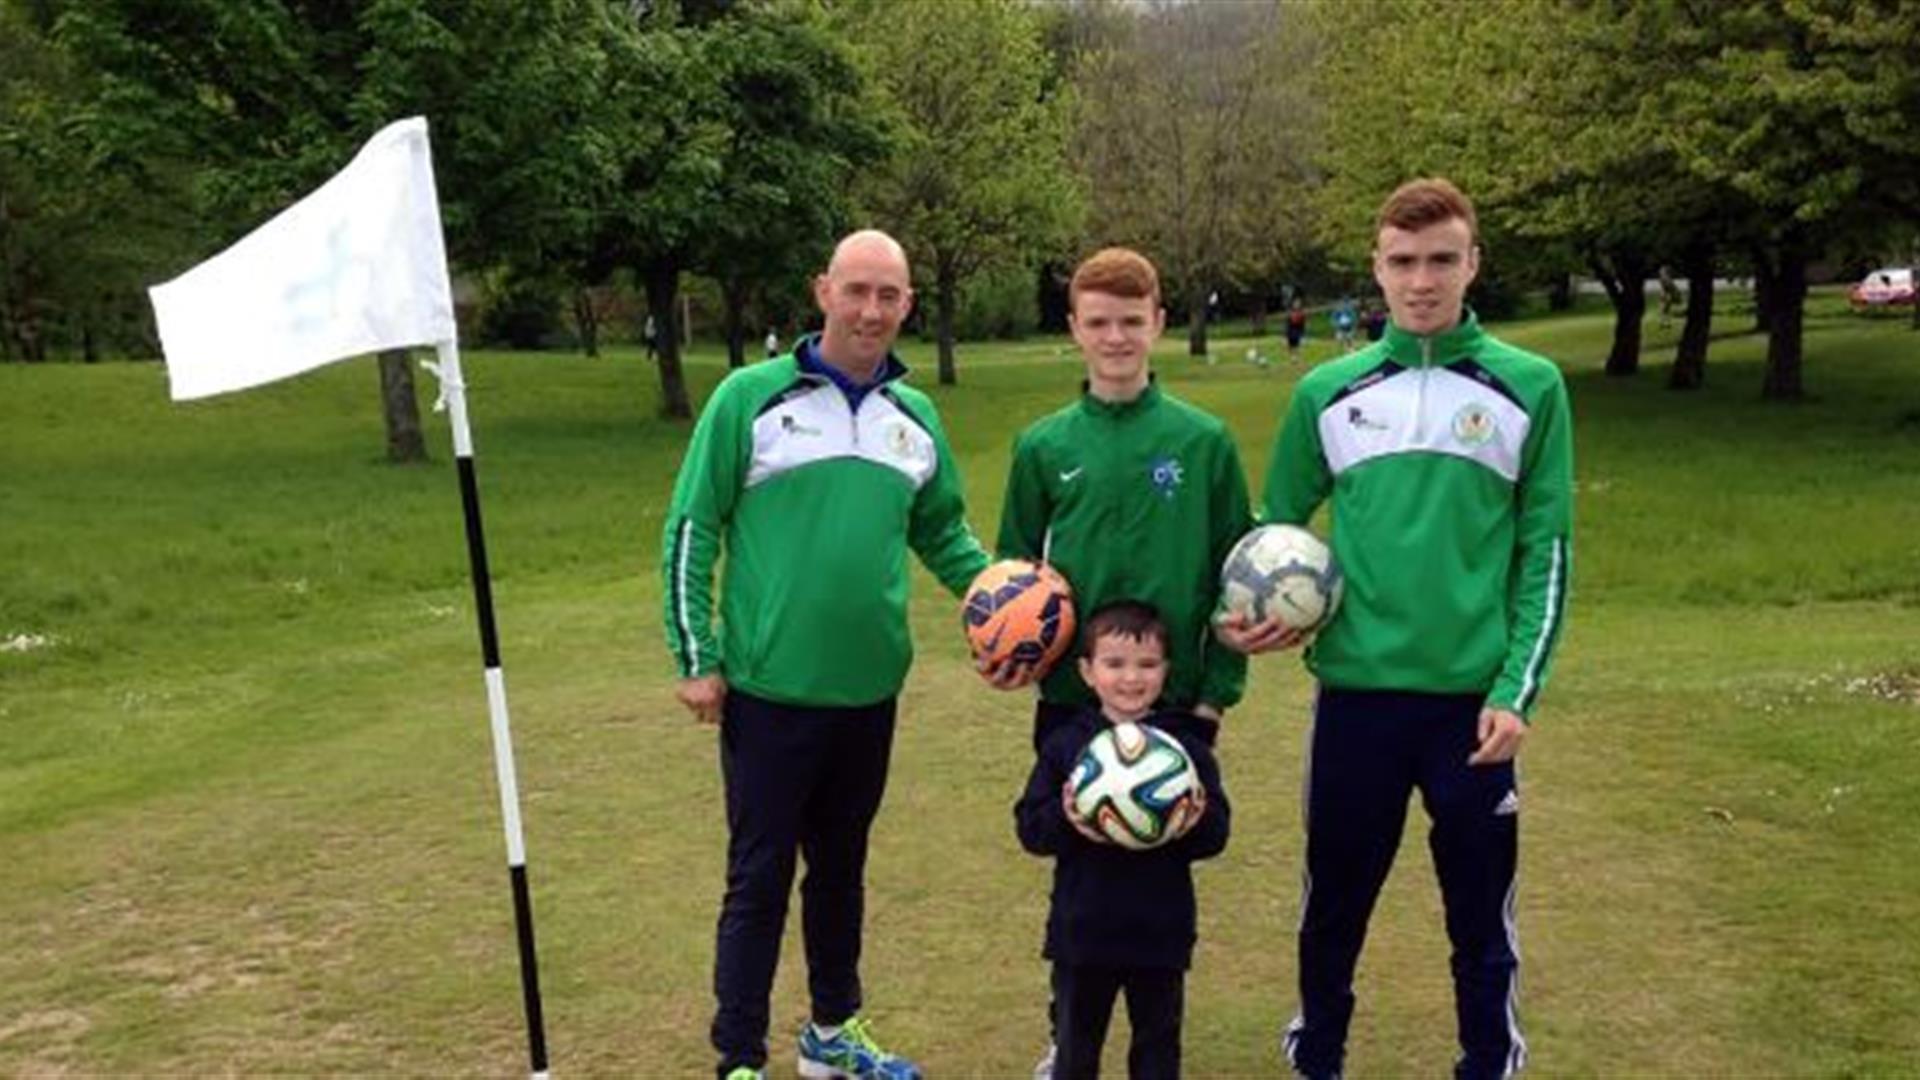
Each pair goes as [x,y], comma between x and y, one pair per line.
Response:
[247,804]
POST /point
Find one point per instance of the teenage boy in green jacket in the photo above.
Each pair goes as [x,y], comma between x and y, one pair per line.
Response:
[1448,458]
[1131,494]
[816,471]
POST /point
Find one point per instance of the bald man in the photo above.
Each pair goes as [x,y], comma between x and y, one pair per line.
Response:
[816,471]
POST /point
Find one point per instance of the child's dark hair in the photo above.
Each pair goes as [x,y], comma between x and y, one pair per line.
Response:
[1123,618]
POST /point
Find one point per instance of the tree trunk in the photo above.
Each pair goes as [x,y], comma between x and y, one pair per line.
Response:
[1625,280]
[1196,320]
[663,299]
[1786,302]
[1560,293]
[89,349]
[1690,359]
[405,444]
[1259,315]
[733,291]
[946,288]
[586,321]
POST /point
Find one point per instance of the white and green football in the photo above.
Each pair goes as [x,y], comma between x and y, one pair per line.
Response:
[1135,785]
[1282,571]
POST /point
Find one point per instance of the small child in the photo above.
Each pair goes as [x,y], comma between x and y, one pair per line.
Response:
[1119,920]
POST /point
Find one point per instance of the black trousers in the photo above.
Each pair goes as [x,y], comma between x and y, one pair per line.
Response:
[1369,751]
[799,781]
[1084,997]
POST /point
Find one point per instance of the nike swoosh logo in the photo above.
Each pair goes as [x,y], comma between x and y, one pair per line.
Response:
[1067,476]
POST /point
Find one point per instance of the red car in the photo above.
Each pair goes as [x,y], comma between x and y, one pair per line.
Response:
[1882,288]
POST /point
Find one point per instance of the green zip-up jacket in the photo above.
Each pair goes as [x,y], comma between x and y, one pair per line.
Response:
[816,505]
[1449,460]
[1140,500]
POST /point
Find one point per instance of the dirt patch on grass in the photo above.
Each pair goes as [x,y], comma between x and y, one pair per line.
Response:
[45,1037]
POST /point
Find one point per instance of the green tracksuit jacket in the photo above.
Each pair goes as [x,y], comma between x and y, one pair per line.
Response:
[1449,460]
[1135,501]
[816,505]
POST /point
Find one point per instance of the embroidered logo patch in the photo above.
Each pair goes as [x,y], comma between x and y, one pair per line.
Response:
[1359,419]
[900,442]
[1166,475]
[1474,424]
[790,426]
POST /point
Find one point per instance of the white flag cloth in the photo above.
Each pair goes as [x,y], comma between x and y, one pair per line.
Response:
[356,267]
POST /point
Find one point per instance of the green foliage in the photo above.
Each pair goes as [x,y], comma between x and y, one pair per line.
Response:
[998,303]
[978,176]
[520,311]
[81,229]
[1194,140]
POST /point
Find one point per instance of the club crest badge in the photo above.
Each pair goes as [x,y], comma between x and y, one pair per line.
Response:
[1166,476]
[900,442]
[1474,424]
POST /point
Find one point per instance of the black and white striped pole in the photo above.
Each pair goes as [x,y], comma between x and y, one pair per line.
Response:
[453,398]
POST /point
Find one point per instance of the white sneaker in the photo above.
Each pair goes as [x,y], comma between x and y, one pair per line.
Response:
[1043,1069]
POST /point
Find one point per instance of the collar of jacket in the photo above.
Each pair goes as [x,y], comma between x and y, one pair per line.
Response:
[1145,400]
[807,355]
[1414,350]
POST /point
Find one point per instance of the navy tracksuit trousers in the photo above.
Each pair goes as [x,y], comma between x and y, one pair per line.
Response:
[1083,1005]
[806,781]
[1369,751]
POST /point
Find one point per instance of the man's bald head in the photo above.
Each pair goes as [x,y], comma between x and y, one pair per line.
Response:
[864,295]
[867,244]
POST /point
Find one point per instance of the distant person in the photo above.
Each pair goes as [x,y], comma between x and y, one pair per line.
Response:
[803,674]
[1374,318]
[773,343]
[1448,457]
[1670,298]
[1120,921]
[1343,321]
[652,335]
[1296,328]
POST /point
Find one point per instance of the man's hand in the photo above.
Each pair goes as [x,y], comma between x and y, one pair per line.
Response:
[1005,675]
[703,697]
[1073,819]
[1236,633]
[1208,712]
[1501,733]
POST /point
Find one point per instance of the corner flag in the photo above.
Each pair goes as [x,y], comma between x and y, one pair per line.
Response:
[354,268]
[357,267]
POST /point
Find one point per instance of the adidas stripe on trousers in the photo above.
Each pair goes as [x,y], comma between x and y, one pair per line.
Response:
[1369,751]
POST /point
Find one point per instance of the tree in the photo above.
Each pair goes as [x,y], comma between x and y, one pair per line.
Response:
[1193,141]
[979,176]
[791,101]
[1807,110]
[80,231]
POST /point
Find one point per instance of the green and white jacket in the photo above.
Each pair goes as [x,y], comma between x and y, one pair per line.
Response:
[815,503]
[1136,500]
[1449,460]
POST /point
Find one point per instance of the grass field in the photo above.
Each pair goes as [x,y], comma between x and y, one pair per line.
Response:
[246,793]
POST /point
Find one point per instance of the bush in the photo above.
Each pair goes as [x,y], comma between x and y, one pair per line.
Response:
[522,313]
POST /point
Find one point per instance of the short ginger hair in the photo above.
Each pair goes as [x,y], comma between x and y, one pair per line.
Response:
[1429,200]
[1116,271]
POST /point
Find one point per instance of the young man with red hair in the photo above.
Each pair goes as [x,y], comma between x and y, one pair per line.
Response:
[1447,455]
[1131,494]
